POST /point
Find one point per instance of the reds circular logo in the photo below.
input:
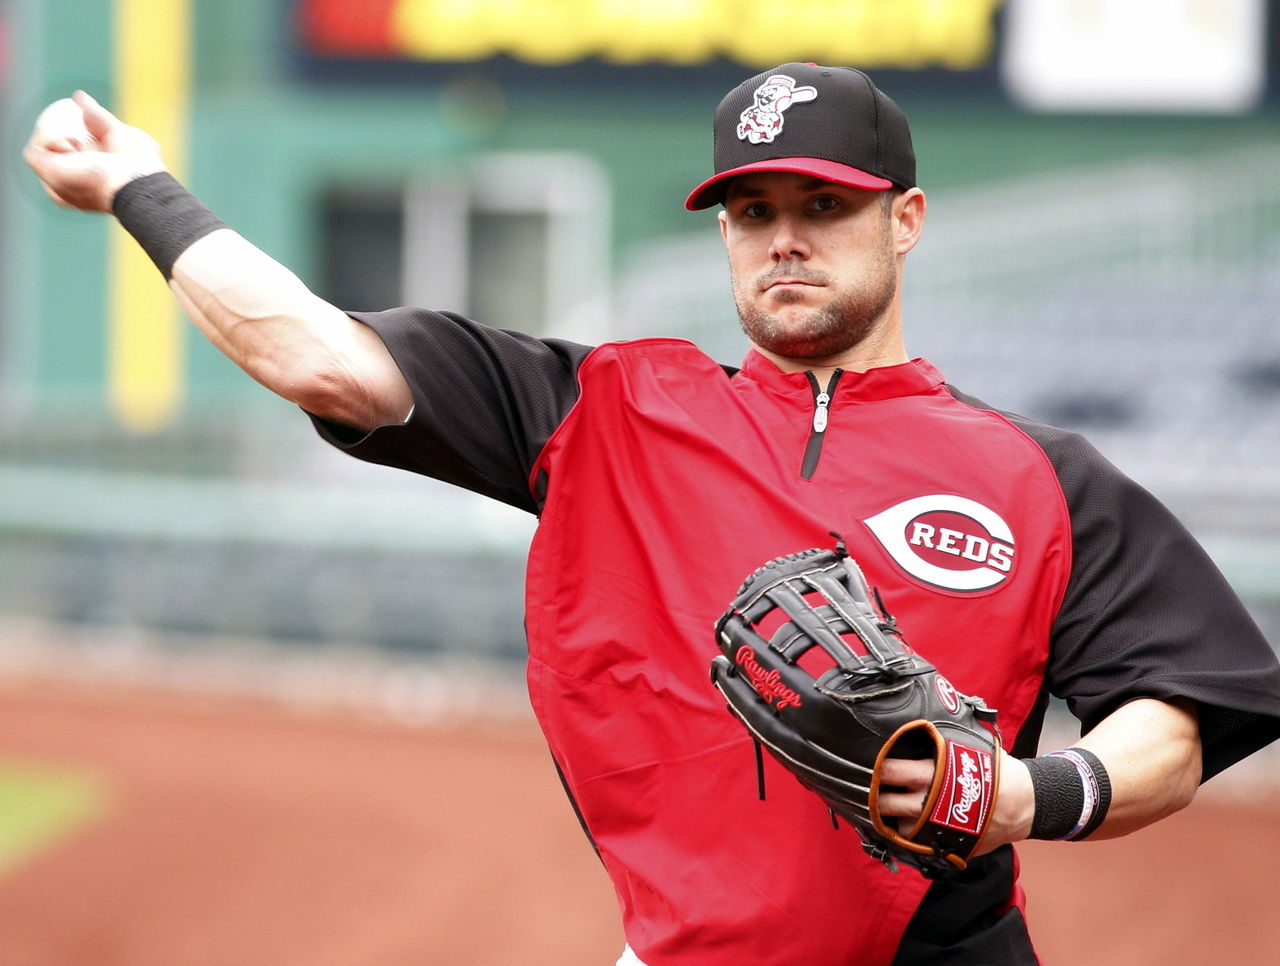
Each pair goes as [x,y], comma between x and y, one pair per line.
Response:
[947,541]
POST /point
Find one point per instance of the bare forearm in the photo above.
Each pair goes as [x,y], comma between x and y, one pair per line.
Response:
[246,303]
[1150,753]
[262,317]
[241,301]
[1151,750]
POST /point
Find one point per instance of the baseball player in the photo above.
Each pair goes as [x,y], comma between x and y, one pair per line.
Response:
[1011,554]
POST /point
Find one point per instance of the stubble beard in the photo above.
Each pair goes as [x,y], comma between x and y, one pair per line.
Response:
[826,331]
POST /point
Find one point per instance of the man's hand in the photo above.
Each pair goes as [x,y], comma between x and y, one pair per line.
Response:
[1010,819]
[1152,753]
[83,154]
[252,308]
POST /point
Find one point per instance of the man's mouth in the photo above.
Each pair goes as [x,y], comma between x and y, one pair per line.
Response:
[786,282]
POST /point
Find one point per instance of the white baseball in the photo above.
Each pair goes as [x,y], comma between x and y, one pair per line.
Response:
[64,119]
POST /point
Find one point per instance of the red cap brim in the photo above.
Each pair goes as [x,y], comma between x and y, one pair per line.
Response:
[711,191]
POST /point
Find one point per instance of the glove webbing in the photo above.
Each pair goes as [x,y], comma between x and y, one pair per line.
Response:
[824,625]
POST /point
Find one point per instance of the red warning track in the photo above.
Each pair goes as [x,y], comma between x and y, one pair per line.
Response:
[242,832]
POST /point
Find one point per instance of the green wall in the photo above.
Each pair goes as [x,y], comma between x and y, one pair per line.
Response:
[54,264]
[265,143]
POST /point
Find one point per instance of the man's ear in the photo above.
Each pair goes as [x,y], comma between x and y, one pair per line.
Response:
[908,219]
[724,225]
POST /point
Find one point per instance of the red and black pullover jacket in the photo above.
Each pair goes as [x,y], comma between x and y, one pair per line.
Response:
[1013,556]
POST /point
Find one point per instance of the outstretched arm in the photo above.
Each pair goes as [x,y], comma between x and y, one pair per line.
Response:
[251,307]
[1150,750]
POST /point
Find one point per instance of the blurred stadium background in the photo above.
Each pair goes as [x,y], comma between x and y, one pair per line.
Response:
[1103,252]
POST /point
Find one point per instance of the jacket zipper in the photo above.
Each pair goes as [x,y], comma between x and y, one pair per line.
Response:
[821,416]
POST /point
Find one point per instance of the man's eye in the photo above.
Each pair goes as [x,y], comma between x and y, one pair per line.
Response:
[826,203]
[757,209]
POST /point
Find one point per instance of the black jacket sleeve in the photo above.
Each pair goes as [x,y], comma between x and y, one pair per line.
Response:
[1148,614]
[485,402]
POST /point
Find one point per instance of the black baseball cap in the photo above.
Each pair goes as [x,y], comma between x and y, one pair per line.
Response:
[828,122]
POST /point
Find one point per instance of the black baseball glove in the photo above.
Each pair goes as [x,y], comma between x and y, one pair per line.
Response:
[861,697]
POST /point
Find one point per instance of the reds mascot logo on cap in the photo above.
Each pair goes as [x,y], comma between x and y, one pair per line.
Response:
[947,541]
[762,121]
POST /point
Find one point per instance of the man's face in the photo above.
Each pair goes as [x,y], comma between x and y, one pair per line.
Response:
[814,265]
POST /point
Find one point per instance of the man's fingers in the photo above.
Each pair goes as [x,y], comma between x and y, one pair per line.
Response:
[904,786]
[901,804]
[911,772]
[56,198]
[42,161]
[83,154]
[97,119]
[38,159]
[68,178]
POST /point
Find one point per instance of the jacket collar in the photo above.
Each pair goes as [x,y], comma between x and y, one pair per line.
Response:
[887,382]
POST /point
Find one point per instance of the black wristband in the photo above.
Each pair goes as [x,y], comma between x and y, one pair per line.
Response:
[1059,796]
[1098,788]
[164,217]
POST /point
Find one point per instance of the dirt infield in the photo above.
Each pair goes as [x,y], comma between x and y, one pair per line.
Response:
[244,832]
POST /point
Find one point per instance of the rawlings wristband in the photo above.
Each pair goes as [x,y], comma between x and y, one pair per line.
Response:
[1072,794]
[1096,784]
[1059,796]
[163,217]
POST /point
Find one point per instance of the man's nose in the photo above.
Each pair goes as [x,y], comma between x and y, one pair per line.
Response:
[789,241]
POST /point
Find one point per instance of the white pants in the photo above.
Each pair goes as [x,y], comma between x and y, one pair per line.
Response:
[629,958]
